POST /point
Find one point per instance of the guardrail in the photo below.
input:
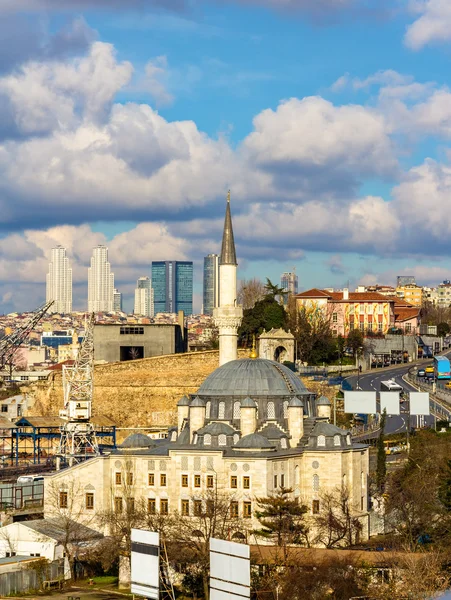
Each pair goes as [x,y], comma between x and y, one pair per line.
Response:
[302,370]
[440,394]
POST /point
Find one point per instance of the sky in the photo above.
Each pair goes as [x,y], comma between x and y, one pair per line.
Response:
[125,122]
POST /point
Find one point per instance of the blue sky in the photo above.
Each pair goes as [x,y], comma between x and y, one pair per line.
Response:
[330,120]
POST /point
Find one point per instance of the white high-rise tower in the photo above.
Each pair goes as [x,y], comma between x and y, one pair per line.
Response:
[144,298]
[59,281]
[100,282]
[228,315]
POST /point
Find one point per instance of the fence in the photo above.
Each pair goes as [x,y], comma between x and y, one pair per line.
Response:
[325,370]
[440,393]
[26,579]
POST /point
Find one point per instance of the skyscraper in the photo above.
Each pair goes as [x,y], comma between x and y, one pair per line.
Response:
[144,298]
[289,282]
[100,282]
[117,300]
[59,281]
[172,283]
[211,283]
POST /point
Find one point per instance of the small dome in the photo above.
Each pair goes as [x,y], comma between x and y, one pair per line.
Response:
[184,401]
[254,441]
[271,432]
[198,402]
[137,440]
[323,401]
[248,403]
[217,429]
[295,402]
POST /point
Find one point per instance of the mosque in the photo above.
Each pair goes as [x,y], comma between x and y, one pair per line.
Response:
[251,428]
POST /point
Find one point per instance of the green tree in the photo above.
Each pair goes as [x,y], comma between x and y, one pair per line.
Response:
[381,468]
[354,341]
[274,291]
[265,315]
[443,329]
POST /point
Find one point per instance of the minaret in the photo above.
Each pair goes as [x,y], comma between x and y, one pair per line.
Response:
[228,315]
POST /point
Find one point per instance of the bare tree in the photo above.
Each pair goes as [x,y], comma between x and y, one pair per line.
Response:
[336,524]
[250,291]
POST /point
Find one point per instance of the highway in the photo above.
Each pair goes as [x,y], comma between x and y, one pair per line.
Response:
[395,423]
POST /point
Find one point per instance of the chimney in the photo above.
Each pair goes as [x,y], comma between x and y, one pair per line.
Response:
[345,294]
[248,416]
[295,420]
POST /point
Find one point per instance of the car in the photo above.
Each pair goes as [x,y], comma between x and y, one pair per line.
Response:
[421,373]
[429,369]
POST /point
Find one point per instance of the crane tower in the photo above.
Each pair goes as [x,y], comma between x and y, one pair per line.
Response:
[78,437]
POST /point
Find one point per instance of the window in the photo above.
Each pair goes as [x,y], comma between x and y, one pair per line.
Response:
[222,439]
[246,483]
[362,326]
[118,478]
[130,502]
[209,481]
[315,483]
[334,317]
[285,409]
[89,500]
[221,410]
[271,411]
[151,506]
[163,479]
[348,439]
[164,506]
[315,507]
[282,480]
[197,463]
[237,410]
[4,408]
[197,481]
[234,482]
[275,481]
[207,439]
[321,440]
[337,440]
[247,510]
[151,478]
[129,478]
[362,502]
[63,500]
[184,480]
[132,331]
[408,327]
[197,506]
[207,409]
[234,510]
[283,443]
[118,504]
[185,508]
[380,327]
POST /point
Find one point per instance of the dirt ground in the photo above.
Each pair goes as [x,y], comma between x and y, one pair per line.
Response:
[82,593]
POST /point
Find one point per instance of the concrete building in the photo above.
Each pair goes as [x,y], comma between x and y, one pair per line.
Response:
[59,281]
[410,293]
[100,282]
[211,284]
[117,300]
[290,282]
[114,343]
[144,298]
[172,282]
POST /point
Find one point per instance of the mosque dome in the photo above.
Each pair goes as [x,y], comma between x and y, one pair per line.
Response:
[137,440]
[252,378]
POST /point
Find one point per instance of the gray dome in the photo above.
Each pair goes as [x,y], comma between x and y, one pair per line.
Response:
[252,377]
[197,402]
[137,440]
[217,429]
[184,401]
[323,401]
[295,402]
[248,403]
[254,441]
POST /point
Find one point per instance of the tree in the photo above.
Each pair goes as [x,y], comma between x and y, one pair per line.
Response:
[381,469]
[274,291]
[282,520]
[354,341]
[336,523]
[250,291]
[443,329]
[265,315]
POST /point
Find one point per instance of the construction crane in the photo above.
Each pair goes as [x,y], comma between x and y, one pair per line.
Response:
[78,437]
[10,344]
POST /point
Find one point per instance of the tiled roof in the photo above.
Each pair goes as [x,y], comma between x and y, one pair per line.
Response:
[360,297]
[313,293]
[404,314]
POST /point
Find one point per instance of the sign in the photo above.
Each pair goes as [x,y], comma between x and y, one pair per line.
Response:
[419,403]
[359,402]
[230,570]
[145,563]
[390,401]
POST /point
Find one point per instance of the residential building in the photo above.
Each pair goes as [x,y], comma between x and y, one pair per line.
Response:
[411,293]
[211,284]
[385,290]
[172,282]
[442,295]
[100,282]
[144,298]
[117,300]
[59,281]
[403,280]
[290,282]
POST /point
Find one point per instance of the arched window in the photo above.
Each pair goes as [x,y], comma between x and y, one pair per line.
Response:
[315,483]
[321,440]
[283,443]
[348,439]
[337,440]
[207,439]
[236,410]
[221,410]
[344,481]
[296,474]
[173,436]
[285,409]
[271,411]
[236,438]
[207,409]
[222,440]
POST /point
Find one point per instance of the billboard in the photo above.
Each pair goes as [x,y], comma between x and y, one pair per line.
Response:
[363,403]
[145,563]
[419,403]
[390,401]
[230,570]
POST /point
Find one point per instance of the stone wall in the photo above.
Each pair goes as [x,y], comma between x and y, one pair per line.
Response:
[135,393]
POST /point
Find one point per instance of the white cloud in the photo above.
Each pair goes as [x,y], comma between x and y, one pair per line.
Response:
[433,24]
[155,81]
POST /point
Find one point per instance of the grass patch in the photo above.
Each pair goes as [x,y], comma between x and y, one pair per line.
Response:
[105,579]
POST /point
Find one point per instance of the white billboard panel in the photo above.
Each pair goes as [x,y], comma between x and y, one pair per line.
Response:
[230,570]
[390,401]
[419,403]
[360,402]
[145,563]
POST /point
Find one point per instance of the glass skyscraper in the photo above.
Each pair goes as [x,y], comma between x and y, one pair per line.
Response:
[172,282]
[211,283]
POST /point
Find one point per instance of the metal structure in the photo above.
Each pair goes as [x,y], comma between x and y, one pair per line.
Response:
[10,344]
[78,436]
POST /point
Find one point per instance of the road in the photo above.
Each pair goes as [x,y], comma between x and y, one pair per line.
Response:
[395,423]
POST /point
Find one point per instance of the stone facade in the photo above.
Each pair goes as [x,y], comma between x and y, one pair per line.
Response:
[276,344]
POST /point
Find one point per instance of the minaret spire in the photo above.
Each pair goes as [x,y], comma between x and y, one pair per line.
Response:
[228,253]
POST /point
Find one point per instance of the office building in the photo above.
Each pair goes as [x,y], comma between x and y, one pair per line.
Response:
[144,299]
[172,283]
[59,281]
[289,282]
[117,300]
[211,284]
[100,282]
